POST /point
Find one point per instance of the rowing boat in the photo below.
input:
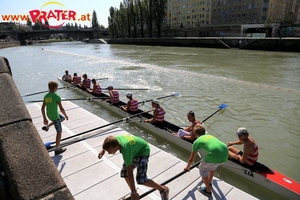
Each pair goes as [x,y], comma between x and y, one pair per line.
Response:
[260,174]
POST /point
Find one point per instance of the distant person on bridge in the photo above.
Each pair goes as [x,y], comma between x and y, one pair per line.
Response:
[249,155]
[132,104]
[67,77]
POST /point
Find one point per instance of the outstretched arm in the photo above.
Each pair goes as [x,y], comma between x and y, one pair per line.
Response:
[190,161]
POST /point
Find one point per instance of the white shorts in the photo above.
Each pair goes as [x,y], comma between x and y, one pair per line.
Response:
[205,168]
[182,132]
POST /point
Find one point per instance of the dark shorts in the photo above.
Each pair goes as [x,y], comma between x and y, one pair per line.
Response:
[141,163]
[57,124]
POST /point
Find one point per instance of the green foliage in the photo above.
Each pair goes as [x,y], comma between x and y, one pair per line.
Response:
[95,24]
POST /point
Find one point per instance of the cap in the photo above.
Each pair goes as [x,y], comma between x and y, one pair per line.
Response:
[155,101]
[241,131]
[128,94]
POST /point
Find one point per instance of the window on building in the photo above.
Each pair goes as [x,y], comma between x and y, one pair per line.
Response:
[249,7]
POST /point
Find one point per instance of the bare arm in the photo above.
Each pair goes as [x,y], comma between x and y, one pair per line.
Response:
[101,153]
[155,113]
[190,161]
[234,143]
[131,182]
[44,114]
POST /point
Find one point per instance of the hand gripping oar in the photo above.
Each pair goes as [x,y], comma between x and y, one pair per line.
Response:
[171,179]
[171,95]
[27,95]
[48,144]
[220,108]
[87,98]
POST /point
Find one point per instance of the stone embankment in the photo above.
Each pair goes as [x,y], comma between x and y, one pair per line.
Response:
[251,43]
[9,44]
[26,170]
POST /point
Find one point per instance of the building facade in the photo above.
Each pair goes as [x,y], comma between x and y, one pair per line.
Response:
[187,13]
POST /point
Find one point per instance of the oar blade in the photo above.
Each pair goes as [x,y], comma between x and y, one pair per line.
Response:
[176,94]
[223,106]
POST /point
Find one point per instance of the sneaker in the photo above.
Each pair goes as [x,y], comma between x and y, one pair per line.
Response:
[204,192]
[60,151]
[45,128]
[165,194]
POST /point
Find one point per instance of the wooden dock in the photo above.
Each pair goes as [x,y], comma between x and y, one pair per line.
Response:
[87,177]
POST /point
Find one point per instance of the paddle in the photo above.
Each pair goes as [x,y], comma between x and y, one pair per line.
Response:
[127,89]
[171,179]
[87,98]
[220,108]
[99,79]
[175,94]
[48,144]
[27,95]
[75,140]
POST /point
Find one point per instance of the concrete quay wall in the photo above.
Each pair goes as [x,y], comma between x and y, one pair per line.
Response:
[269,44]
[9,44]
[26,169]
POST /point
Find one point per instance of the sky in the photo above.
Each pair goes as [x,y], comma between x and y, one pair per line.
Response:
[83,7]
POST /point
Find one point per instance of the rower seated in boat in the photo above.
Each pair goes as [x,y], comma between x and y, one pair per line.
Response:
[96,91]
[249,155]
[114,96]
[76,80]
[158,118]
[188,132]
[132,106]
[86,83]
[67,77]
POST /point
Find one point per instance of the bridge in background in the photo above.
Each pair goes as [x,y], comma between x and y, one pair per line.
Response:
[22,36]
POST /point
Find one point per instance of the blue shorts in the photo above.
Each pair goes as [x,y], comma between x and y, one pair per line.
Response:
[141,163]
[57,123]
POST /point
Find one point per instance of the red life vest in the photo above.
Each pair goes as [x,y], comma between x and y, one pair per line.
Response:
[97,88]
[115,96]
[87,83]
[160,115]
[77,80]
[134,105]
[252,158]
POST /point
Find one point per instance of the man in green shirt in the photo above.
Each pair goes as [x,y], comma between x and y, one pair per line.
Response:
[51,102]
[135,152]
[216,153]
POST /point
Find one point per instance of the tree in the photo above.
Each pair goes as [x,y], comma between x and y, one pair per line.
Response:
[159,14]
[111,21]
[47,25]
[140,16]
[95,24]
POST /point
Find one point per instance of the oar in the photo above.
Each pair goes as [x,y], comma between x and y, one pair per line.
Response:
[75,140]
[48,144]
[171,95]
[87,98]
[171,179]
[127,89]
[99,79]
[220,108]
[27,95]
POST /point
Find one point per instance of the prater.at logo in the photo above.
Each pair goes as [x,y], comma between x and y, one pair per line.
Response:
[60,15]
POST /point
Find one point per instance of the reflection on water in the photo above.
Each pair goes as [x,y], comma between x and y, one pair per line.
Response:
[261,90]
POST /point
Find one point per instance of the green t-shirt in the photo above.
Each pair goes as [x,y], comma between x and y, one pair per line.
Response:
[131,147]
[51,99]
[216,150]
